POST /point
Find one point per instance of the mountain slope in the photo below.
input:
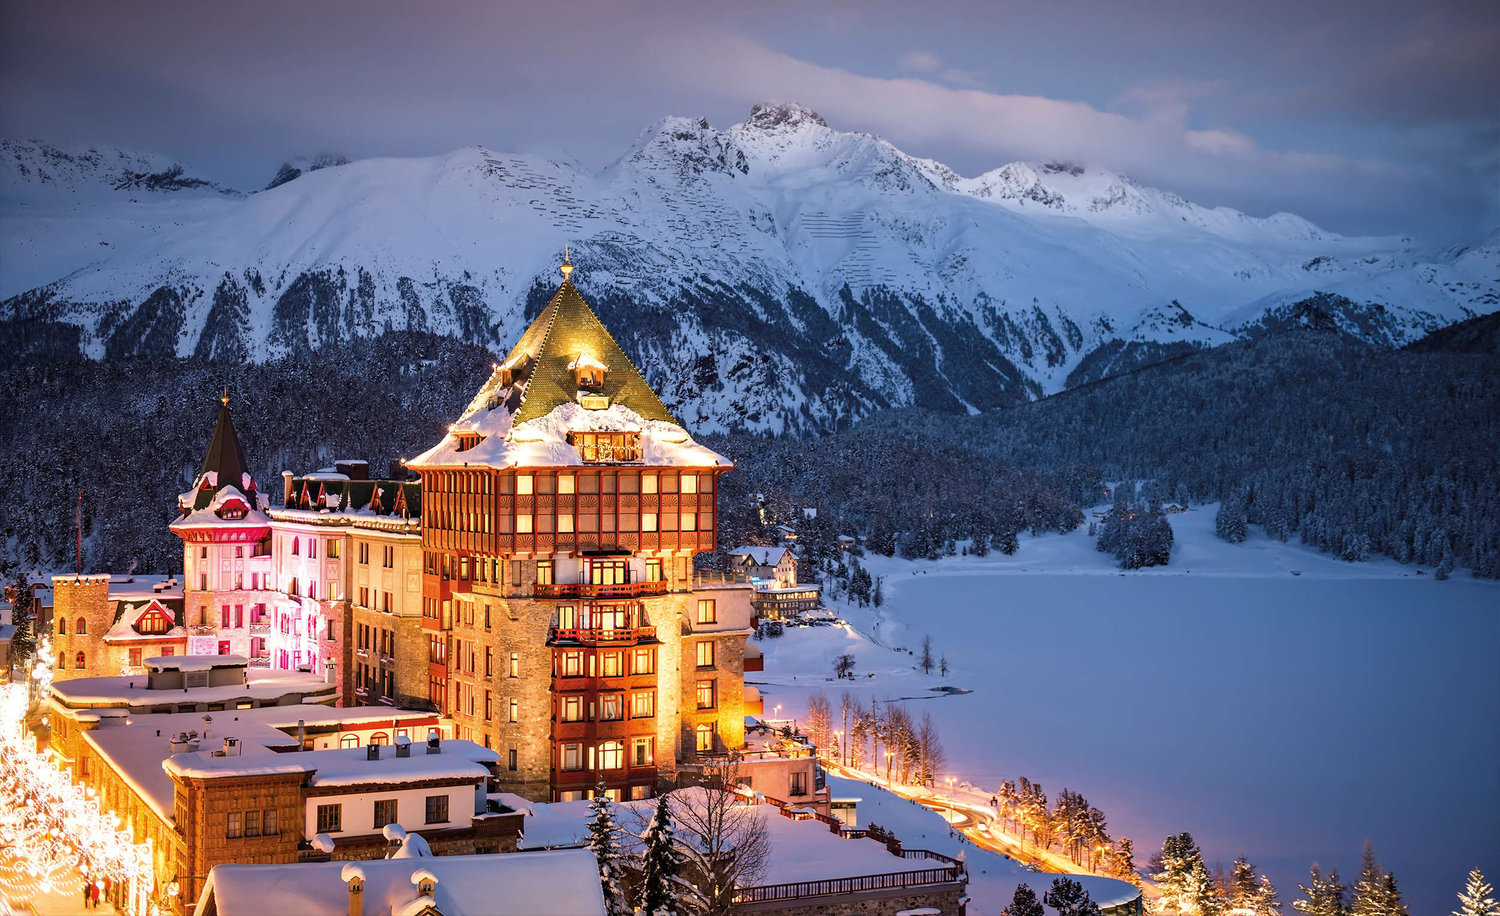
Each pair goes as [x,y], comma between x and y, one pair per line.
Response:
[778,274]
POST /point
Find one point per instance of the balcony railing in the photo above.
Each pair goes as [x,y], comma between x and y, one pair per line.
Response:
[833,887]
[591,590]
[590,635]
[260,625]
[260,661]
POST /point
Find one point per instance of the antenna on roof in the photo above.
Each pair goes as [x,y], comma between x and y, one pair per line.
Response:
[566,268]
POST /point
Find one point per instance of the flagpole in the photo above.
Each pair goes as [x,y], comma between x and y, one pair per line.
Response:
[78,520]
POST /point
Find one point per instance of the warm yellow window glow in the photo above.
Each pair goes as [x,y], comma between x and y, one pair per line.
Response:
[524,484]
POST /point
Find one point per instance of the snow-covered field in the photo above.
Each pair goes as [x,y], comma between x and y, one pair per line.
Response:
[1265,697]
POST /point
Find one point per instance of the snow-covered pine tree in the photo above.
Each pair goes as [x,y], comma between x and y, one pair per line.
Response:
[1242,885]
[1178,855]
[1024,903]
[1068,898]
[1322,896]
[663,891]
[1230,522]
[1475,899]
[604,840]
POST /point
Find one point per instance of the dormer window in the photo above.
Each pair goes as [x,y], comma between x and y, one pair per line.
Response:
[467,440]
[588,372]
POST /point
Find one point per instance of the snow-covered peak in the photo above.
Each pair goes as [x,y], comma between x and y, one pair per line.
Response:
[297,166]
[782,117]
[29,169]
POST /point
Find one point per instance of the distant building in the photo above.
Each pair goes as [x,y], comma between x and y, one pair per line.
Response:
[772,572]
[106,625]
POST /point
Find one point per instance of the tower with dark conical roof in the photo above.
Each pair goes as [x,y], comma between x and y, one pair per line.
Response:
[226,554]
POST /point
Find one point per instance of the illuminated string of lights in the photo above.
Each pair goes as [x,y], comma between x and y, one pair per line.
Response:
[51,829]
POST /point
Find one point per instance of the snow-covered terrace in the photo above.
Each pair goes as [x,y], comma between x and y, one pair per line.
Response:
[346,766]
[801,850]
[266,686]
[562,882]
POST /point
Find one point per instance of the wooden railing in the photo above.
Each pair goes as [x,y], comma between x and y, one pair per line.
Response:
[603,634]
[591,590]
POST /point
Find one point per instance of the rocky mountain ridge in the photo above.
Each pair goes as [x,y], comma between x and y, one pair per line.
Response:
[776,275]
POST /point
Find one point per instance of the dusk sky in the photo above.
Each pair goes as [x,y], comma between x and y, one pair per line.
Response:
[1366,117]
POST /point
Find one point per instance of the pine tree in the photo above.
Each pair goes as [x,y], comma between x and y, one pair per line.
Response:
[1179,854]
[1069,898]
[604,841]
[662,887]
[23,614]
[1475,899]
[1322,896]
[1024,903]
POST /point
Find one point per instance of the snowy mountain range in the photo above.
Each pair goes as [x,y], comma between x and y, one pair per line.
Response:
[777,274]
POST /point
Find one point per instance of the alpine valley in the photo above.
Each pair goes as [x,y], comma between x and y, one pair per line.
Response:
[776,276]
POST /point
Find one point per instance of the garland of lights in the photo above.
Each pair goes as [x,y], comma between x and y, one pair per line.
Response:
[51,828]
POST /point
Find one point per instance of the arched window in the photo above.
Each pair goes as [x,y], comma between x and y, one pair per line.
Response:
[705,736]
[62,626]
[295,546]
[79,662]
[81,628]
[349,741]
[380,738]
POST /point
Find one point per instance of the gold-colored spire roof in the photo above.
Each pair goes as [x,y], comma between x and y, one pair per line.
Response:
[566,330]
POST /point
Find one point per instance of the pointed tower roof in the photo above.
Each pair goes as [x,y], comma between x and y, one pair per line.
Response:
[566,377]
[223,465]
[568,334]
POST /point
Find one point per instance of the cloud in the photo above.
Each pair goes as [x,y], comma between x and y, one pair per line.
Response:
[921,62]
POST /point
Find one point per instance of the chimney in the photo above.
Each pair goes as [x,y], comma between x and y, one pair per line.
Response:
[434,743]
[403,746]
[302,733]
[354,877]
[231,747]
[286,488]
[372,752]
[178,743]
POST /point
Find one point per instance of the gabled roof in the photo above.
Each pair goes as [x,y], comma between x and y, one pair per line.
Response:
[762,556]
[568,334]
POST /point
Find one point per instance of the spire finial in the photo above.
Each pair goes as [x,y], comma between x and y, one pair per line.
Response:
[224,399]
[566,268]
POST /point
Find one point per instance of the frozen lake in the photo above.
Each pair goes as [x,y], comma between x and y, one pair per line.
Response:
[1285,717]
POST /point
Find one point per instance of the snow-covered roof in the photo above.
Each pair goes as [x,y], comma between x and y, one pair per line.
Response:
[563,882]
[346,766]
[196,662]
[123,630]
[762,556]
[524,412]
[136,752]
[801,850]
[124,690]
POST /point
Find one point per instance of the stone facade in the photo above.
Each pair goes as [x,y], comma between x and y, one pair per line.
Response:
[211,817]
[84,598]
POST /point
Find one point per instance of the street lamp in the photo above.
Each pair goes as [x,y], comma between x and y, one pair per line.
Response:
[949,781]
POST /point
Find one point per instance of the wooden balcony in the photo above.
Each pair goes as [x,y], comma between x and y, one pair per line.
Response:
[591,636]
[590,590]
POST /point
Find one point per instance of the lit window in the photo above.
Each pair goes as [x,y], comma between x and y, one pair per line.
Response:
[565,523]
[611,755]
[648,483]
[644,662]
[572,709]
[707,611]
[704,737]
[706,653]
[236,825]
[707,695]
[689,483]
[572,664]
[610,708]
[643,752]
[523,524]
[572,757]
[642,704]
[611,664]
[648,521]
[515,664]
[565,483]
[524,484]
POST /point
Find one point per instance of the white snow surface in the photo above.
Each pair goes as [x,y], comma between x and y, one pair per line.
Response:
[1038,256]
[346,766]
[1266,697]
[543,442]
[562,882]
